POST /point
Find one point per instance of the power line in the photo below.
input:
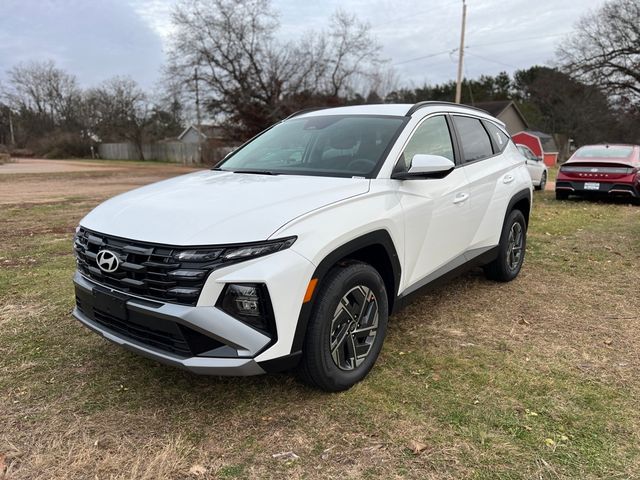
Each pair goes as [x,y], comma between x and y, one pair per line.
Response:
[491,60]
[422,57]
[430,55]
[524,39]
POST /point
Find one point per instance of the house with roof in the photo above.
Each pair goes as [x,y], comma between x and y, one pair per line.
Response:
[209,134]
[507,112]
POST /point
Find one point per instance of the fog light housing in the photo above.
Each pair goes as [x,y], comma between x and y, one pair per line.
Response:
[249,303]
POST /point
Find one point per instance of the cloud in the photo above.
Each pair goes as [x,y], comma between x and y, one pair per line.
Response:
[99,39]
[92,39]
[500,35]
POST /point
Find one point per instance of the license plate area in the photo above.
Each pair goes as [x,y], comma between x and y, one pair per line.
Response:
[592,186]
[110,303]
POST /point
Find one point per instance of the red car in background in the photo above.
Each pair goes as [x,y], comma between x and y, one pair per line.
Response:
[601,169]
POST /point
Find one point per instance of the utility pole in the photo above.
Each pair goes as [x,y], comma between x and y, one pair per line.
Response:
[12,138]
[198,118]
[461,53]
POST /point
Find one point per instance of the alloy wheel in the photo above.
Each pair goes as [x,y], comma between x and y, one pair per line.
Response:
[354,327]
[515,244]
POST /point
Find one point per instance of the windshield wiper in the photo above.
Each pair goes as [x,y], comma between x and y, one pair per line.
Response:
[256,172]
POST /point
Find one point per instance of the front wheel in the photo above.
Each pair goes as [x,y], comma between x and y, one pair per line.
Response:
[511,250]
[346,329]
[543,181]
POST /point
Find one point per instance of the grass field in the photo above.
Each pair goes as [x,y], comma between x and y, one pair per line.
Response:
[538,378]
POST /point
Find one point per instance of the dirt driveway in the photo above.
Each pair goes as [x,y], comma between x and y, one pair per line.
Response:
[44,181]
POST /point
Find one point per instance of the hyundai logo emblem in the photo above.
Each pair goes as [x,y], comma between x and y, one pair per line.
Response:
[594,169]
[107,261]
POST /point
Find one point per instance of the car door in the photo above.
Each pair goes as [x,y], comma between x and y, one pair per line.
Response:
[436,210]
[489,173]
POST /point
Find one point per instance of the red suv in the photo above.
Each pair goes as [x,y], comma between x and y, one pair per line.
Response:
[601,169]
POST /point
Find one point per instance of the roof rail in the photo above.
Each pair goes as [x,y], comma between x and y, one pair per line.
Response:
[431,103]
[305,110]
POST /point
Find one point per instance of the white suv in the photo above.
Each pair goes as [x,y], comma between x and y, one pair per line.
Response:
[295,250]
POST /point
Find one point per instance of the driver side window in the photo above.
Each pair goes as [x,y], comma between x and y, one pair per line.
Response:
[432,137]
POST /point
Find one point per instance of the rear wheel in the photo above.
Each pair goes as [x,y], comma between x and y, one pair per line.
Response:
[346,329]
[560,195]
[511,250]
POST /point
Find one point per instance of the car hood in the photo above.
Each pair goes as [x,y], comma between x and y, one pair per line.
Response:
[214,207]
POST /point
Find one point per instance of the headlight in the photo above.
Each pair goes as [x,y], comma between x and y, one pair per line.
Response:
[242,252]
[198,255]
[258,250]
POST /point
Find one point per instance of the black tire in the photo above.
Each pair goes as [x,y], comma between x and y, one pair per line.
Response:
[506,266]
[543,182]
[318,367]
[560,195]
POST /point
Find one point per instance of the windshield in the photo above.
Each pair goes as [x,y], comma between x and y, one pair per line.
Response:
[604,152]
[331,145]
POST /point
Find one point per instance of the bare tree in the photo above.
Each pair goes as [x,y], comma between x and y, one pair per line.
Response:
[604,50]
[119,111]
[351,52]
[250,77]
[43,97]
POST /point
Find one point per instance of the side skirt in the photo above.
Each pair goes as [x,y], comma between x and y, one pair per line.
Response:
[461,264]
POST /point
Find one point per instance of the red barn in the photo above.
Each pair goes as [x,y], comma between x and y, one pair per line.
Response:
[541,144]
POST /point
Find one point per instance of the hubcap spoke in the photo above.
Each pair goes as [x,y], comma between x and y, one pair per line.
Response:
[515,245]
[354,328]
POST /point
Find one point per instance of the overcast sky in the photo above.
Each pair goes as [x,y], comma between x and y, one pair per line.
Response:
[96,39]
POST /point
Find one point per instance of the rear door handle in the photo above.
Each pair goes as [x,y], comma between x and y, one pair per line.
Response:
[508,179]
[461,197]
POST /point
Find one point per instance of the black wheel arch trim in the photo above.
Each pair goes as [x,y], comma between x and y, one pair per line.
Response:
[521,195]
[371,239]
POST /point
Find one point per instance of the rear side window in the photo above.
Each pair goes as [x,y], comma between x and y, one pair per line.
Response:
[499,138]
[474,138]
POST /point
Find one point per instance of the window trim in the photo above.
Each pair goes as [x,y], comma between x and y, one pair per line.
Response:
[496,147]
[452,136]
[457,134]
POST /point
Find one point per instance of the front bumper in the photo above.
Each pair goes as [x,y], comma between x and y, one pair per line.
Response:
[203,340]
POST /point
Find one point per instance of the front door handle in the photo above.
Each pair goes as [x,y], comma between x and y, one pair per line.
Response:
[508,179]
[461,197]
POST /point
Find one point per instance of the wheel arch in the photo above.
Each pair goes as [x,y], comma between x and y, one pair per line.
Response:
[375,248]
[520,201]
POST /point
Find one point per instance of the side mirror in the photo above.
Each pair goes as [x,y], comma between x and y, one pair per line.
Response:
[427,166]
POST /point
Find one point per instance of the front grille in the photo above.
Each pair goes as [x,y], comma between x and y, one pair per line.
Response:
[146,269]
[162,340]
[155,332]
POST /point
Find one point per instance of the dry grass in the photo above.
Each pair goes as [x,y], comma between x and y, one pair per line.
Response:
[537,378]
